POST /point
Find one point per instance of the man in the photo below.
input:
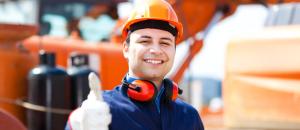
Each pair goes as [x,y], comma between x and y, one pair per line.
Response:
[145,100]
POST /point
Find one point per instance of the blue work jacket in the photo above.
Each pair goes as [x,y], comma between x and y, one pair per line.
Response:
[128,114]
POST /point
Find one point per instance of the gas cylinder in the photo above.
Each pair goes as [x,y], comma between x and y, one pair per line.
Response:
[49,88]
[79,72]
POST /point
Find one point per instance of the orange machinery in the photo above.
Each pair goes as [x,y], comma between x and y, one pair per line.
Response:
[15,63]
[262,82]
[194,14]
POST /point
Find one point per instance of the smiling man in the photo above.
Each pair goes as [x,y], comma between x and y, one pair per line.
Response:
[146,99]
[150,54]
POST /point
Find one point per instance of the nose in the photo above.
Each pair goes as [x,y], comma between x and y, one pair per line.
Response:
[155,49]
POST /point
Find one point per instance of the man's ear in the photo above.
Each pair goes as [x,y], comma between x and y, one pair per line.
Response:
[125,49]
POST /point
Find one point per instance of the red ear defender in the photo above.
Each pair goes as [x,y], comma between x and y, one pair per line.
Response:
[141,90]
[172,90]
[145,91]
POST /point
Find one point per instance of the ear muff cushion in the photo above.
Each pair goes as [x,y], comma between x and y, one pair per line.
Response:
[174,91]
[147,91]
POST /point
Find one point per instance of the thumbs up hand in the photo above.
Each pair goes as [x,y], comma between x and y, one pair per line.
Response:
[95,89]
[94,113]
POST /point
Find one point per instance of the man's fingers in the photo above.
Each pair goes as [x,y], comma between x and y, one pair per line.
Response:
[95,87]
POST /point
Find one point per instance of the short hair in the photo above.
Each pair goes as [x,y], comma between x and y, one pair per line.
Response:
[156,24]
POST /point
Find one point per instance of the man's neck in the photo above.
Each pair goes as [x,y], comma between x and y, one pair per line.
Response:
[157,84]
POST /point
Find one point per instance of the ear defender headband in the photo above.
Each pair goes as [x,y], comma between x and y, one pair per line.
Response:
[145,91]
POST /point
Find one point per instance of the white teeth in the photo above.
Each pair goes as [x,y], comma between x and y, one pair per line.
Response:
[154,61]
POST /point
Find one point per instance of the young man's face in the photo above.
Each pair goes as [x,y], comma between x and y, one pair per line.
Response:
[150,53]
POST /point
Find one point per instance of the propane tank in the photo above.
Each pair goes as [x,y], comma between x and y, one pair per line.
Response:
[49,87]
[79,72]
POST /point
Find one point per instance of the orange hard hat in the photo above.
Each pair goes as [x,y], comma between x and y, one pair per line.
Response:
[159,10]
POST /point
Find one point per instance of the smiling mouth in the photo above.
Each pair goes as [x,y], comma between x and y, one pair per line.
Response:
[156,62]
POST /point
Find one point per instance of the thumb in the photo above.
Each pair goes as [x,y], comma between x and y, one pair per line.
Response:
[95,86]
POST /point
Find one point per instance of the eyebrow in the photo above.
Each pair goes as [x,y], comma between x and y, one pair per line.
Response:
[145,36]
[163,38]
[166,38]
